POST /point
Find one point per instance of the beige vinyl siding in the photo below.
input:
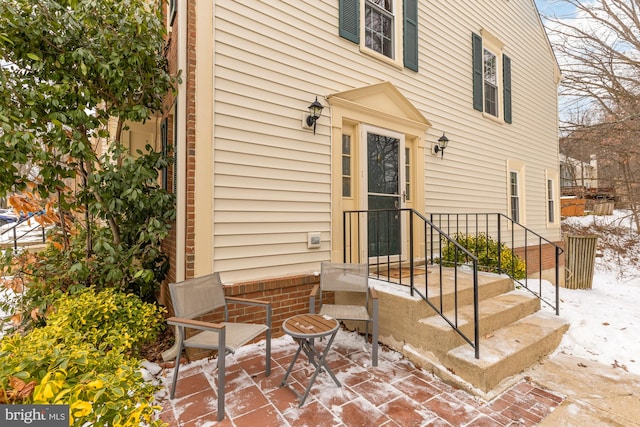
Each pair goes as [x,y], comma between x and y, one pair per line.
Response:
[272,180]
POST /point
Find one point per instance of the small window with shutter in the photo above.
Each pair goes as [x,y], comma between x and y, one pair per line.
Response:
[491,77]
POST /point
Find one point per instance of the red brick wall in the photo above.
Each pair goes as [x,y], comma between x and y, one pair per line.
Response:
[190,84]
[288,296]
[188,77]
[533,255]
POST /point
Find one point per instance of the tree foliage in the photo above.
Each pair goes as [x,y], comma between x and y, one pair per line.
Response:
[598,48]
[71,70]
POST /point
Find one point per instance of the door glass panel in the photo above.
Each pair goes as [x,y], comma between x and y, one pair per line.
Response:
[383,157]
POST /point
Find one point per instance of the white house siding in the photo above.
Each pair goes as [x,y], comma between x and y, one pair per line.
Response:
[272,177]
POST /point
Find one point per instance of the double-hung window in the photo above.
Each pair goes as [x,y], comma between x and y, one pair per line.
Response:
[516,190]
[551,209]
[514,196]
[490,83]
[552,177]
[491,77]
[373,25]
[378,26]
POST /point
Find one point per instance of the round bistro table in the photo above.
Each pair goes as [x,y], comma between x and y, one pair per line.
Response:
[305,328]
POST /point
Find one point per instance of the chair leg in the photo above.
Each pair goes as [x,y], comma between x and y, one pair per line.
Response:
[221,373]
[268,362]
[374,335]
[175,371]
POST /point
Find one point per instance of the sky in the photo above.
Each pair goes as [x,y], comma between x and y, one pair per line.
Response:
[554,7]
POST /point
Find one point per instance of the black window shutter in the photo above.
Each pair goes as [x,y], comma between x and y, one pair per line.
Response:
[506,83]
[350,20]
[411,34]
[477,71]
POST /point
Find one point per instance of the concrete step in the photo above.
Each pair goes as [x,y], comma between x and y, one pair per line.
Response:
[489,285]
[494,313]
[394,299]
[507,351]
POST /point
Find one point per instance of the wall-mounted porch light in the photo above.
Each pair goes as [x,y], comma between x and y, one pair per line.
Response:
[442,143]
[315,110]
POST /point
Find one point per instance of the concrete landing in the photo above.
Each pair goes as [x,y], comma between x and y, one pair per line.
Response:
[596,394]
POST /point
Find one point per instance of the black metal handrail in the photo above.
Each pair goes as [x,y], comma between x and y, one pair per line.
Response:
[528,244]
[386,251]
[20,221]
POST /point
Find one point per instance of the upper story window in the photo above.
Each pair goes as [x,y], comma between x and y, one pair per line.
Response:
[374,24]
[378,26]
[490,83]
[491,77]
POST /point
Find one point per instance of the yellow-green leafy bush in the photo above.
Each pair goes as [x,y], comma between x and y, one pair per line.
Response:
[109,319]
[66,362]
[486,249]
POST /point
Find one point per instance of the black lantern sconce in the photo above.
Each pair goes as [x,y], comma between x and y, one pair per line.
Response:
[442,143]
[315,110]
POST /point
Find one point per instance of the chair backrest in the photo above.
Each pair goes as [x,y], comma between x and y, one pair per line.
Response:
[344,277]
[195,297]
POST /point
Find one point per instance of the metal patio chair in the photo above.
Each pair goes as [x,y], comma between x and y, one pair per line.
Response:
[195,297]
[338,277]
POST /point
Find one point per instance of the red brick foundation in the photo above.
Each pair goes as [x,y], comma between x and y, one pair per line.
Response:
[536,258]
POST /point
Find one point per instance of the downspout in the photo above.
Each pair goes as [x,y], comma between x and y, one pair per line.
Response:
[181,164]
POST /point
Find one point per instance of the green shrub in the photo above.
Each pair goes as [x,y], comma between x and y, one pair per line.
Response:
[85,364]
[486,249]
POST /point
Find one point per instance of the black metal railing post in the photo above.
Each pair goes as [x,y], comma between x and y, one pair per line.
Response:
[443,238]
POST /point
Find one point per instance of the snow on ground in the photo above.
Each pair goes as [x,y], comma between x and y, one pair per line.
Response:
[605,320]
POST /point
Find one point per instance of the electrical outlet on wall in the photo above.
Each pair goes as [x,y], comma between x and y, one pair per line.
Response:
[313,240]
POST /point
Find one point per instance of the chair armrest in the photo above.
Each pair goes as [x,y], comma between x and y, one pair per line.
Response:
[252,302]
[314,291]
[312,299]
[247,301]
[374,293]
[195,324]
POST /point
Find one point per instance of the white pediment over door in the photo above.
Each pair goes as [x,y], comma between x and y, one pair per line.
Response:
[382,99]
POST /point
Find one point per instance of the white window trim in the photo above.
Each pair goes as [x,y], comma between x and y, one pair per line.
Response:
[555,177]
[519,167]
[398,23]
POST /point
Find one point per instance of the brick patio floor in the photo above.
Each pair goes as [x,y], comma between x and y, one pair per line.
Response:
[395,393]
